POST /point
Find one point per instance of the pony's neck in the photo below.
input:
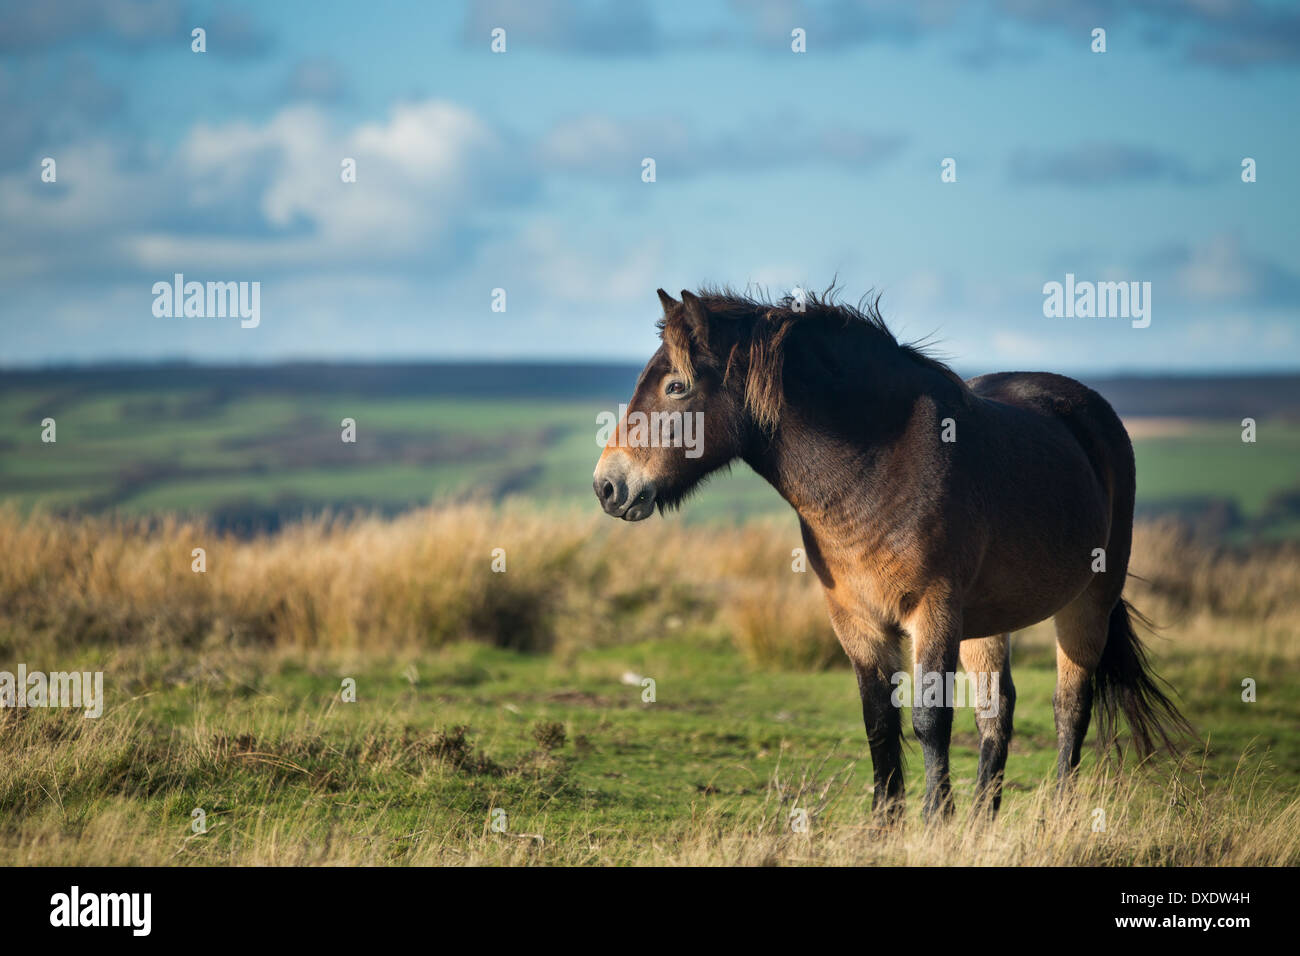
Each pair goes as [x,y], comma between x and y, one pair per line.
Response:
[835,447]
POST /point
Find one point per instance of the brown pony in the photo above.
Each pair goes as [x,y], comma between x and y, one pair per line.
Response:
[951,512]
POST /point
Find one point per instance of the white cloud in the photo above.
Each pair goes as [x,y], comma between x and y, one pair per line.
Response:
[587,271]
[269,194]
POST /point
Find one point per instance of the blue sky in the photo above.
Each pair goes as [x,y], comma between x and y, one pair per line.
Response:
[522,171]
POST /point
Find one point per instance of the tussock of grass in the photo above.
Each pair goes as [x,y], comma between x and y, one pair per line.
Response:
[1110,819]
[571,581]
[423,579]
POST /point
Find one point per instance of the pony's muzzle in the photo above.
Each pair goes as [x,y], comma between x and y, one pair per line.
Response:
[622,493]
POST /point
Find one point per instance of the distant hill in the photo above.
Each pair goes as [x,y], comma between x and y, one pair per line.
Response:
[1165,396]
[1203,396]
[372,380]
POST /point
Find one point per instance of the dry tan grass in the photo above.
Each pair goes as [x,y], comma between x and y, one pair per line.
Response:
[572,581]
[1110,820]
[425,579]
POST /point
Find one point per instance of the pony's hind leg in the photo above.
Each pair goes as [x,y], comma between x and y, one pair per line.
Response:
[989,660]
[1081,629]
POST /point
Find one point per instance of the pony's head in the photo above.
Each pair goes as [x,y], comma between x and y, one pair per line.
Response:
[735,372]
[687,418]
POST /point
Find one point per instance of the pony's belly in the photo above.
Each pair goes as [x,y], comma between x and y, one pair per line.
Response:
[989,622]
[1016,605]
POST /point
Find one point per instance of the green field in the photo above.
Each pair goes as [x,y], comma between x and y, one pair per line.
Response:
[587,772]
[256,456]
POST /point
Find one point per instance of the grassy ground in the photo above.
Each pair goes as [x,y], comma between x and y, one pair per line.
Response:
[223,696]
[587,773]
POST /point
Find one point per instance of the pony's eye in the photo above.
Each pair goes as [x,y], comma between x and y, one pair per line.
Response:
[675,388]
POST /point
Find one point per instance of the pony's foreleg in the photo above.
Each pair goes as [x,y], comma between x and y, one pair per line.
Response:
[989,659]
[884,726]
[936,638]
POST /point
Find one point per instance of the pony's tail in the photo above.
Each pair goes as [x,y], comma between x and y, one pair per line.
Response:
[1125,682]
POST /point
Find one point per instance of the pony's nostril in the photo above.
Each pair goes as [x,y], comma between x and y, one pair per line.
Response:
[606,491]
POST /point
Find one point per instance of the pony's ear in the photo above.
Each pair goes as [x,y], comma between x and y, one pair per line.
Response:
[697,318]
[685,333]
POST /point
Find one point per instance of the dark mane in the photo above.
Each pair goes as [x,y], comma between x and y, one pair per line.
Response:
[825,309]
[759,329]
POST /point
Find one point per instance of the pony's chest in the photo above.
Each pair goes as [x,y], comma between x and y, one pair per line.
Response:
[875,582]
